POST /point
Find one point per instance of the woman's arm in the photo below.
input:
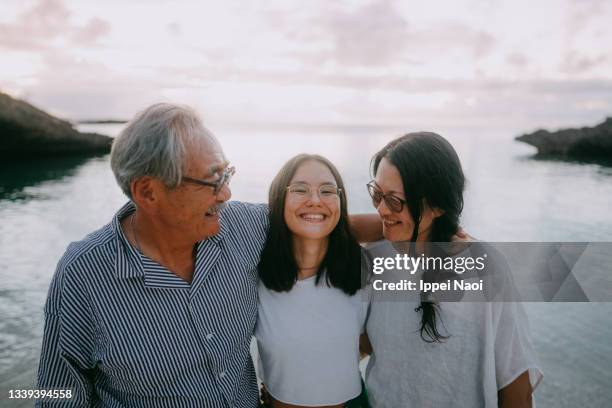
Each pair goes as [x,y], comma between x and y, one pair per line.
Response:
[517,394]
[367,227]
[365,347]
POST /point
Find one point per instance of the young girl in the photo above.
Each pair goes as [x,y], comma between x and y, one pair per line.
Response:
[438,354]
[311,312]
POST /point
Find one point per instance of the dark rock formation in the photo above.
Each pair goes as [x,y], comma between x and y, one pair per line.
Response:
[584,143]
[102,121]
[28,131]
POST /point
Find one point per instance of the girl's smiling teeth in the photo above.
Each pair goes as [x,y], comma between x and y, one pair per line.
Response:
[313,217]
[391,223]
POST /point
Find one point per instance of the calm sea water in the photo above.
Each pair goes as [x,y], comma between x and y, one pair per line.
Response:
[45,204]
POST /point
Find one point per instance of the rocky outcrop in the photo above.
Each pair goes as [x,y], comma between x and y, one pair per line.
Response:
[584,143]
[28,131]
[102,121]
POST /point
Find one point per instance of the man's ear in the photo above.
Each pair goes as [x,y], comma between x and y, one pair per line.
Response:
[145,192]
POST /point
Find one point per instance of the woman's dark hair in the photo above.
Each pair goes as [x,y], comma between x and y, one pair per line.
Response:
[341,264]
[431,174]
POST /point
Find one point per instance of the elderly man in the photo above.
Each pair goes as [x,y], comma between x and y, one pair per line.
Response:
[158,307]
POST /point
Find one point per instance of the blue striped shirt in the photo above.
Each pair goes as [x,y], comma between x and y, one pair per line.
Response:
[123,331]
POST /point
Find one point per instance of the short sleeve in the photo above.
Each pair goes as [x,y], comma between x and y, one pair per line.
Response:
[249,218]
[246,225]
[514,351]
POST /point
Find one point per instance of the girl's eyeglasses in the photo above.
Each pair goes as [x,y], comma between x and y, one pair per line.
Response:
[303,191]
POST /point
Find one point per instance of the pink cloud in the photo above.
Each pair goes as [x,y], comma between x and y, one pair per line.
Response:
[92,32]
[46,21]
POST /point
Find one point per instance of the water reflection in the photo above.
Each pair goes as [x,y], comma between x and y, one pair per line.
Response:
[16,176]
[602,161]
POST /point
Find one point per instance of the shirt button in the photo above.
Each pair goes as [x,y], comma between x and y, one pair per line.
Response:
[222,374]
[209,336]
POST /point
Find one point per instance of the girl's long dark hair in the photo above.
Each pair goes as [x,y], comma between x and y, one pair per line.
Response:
[431,173]
[278,268]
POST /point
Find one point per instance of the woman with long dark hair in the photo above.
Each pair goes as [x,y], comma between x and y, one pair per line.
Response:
[428,353]
[310,311]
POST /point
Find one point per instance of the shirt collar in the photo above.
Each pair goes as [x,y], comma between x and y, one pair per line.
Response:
[129,263]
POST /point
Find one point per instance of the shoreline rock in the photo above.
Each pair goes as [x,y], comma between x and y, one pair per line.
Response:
[28,131]
[102,122]
[581,143]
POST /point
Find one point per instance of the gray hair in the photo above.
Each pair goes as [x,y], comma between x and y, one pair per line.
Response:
[155,143]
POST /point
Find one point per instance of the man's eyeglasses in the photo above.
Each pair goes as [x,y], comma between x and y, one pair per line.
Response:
[392,202]
[303,191]
[216,185]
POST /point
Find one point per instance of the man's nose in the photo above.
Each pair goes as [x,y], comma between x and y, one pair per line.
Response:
[225,193]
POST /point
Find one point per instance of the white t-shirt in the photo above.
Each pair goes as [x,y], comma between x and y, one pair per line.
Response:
[488,348]
[308,340]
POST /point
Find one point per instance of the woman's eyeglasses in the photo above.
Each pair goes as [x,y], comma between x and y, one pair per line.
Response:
[303,191]
[392,202]
[216,185]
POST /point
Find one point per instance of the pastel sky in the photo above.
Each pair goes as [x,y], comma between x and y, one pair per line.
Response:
[517,64]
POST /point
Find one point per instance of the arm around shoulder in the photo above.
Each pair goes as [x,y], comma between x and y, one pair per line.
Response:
[367,227]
